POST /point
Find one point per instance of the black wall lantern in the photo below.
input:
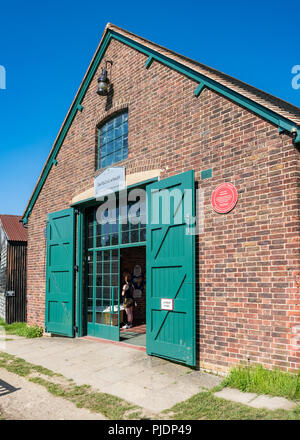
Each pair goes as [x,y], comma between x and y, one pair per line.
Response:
[103,81]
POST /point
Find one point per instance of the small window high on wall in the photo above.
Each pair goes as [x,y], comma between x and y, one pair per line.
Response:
[113,140]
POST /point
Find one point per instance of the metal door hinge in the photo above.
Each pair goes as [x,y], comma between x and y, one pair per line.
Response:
[75,329]
[76,211]
[76,268]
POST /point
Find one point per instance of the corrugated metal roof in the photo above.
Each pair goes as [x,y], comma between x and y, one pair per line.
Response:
[13,228]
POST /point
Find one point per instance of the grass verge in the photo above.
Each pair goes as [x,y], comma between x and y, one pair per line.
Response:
[205,406]
[82,396]
[22,329]
[256,379]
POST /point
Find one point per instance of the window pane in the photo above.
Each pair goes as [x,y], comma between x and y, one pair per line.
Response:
[125,153]
[110,148]
[125,237]
[118,120]
[143,234]
[134,235]
[110,124]
[119,131]
[119,155]
[109,159]
[113,141]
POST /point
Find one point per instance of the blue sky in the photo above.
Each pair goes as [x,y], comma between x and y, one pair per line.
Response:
[46,48]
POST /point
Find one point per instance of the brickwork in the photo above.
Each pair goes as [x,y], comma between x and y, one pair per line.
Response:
[248,260]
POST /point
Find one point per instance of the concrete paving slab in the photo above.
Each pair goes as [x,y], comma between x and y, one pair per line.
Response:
[256,401]
[235,395]
[272,403]
[153,383]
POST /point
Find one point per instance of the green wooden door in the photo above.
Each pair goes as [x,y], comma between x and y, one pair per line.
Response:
[59,317]
[171,269]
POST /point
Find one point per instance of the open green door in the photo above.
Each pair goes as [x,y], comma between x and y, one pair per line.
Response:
[171,269]
[59,317]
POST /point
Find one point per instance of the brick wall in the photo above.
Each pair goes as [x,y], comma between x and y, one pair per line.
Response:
[247,260]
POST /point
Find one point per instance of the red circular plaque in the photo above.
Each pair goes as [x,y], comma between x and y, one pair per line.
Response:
[224,198]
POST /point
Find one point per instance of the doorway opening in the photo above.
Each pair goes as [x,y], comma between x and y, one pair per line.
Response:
[133,261]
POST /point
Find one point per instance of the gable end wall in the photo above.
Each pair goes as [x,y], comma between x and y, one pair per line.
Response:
[248,260]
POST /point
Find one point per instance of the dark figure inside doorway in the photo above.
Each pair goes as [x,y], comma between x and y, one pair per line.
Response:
[127,294]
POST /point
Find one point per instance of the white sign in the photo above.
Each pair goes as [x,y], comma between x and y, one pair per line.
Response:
[166,304]
[111,180]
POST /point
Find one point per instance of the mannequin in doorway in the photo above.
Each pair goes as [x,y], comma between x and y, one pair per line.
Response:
[127,294]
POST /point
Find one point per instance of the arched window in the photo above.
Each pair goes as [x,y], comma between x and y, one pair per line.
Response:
[113,140]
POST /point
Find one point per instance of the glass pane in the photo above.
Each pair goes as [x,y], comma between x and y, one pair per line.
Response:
[119,155]
[106,267]
[99,280]
[119,131]
[98,294]
[119,143]
[125,153]
[109,159]
[103,241]
[103,151]
[99,318]
[115,254]
[106,293]
[115,267]
[106,255]
[114,239]
[99,256]
[125,237]
[118,120]
[134,236]
[110,124]
[114,280]
[90,316]
[125,127]
[99,267]
[103,163]
[143,235]
[110,148]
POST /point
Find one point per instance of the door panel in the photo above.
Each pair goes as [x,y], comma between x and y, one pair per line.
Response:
[171,268]
[60,273]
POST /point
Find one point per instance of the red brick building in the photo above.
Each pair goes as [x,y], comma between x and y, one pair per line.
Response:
[170,121]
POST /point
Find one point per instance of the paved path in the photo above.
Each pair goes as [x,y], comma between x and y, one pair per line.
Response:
[24,400]
[152,383]
[255,400]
